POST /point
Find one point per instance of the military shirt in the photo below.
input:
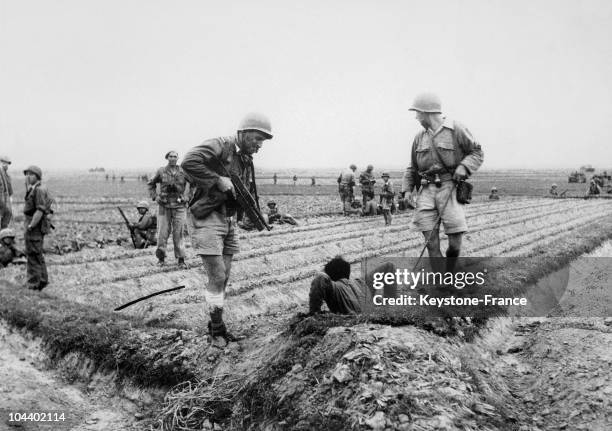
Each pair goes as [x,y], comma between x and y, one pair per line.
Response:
[455,145]
[6,188]
[173,181]
[348,298]
[8,253]
[347,178]
[202,166]
[366,179]
[37,198]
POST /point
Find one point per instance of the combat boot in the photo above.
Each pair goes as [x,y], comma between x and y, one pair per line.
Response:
[217,328]
[181,263]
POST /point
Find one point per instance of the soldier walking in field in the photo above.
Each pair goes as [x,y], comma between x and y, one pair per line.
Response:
[313,181]
[212,214]
[8,251]
[346,182]
[37,209]
[295,178]
[145,228]
[6,193]
[171,208]
[387,196]
[443,154]
[367,181]
[275,178]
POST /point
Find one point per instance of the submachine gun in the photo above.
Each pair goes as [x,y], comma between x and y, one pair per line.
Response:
[245,199]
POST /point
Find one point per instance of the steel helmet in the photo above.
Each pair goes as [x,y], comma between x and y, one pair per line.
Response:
[6,159]
[493,189]
[7,233]
[353,167]
[427,102]
[369,168]
[142,204]
[35,170]
[256,121]
[554,185]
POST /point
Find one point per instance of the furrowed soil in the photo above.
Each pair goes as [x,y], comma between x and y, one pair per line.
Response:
[330,372]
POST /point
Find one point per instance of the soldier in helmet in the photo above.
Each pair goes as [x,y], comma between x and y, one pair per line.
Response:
[387,196]
[212,215]
[346,182]
[8,251]
[553,190]
[36,209]
[274,216]
[171,207]
[146,226]
[367,181]
[444,153]
[6,193]
[493,196]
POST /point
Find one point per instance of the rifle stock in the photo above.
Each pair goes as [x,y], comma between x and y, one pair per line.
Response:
[129,226]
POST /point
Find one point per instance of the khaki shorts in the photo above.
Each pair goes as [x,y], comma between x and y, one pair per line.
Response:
[430,202]
[213,235]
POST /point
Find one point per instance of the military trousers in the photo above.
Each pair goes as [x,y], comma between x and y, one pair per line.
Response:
[6,214]
[36,268]
[171,220]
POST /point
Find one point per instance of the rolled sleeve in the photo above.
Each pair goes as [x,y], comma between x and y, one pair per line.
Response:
[473,156]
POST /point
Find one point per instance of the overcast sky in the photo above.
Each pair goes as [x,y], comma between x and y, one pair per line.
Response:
[119,83]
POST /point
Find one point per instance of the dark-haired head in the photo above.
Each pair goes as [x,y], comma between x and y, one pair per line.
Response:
[337,268]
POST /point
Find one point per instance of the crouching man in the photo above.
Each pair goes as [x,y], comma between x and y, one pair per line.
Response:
[341,294]
[8,252]
[145,228]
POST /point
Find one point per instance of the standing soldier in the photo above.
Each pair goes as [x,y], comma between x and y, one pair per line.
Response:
[443,154]
[212,215]
[386,198]
[6,193]
[313,181]
[171,208]
[36,209]
[346,182]
[275,178]
[145,228]
[366,179]
[294,180]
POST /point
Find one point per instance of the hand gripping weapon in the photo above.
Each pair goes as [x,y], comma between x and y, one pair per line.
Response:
[247,202]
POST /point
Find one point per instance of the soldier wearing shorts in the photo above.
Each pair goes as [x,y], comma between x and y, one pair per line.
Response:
[212,210]
[461,156]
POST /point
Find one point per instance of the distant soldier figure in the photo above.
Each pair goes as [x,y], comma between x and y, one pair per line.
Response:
[553,190]
[275,178]
[366,179]
[106,177]
[145,228]
[8,251]
[313,181]
[295,180]
[493,196]
[171,210]
[122,179]
[594,188]
[346,182]
[274,216]
[387,196]
[6,193]
[443,154]
[36,209]
[114,177]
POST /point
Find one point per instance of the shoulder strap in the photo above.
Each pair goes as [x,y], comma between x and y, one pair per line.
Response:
[434,147]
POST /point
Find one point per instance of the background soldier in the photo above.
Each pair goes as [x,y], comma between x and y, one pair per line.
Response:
[494,196]
[553,190]
[346,182]
[8,251]
[386,198]
[275,178]
[171,211]
[457,157]
[295,180]
[6,193]
[212,212]
[36,209]
[146,227]
[274,216]
[366,179]
[313,181]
